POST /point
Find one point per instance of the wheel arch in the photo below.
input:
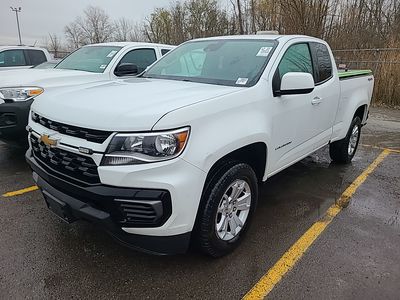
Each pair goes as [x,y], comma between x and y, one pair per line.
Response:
[254,154]
[242,154]
[361,112]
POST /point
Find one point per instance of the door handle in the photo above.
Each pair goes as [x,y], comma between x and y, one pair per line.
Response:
[317,100]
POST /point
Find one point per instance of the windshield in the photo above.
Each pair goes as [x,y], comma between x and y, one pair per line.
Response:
[45,65]
[91,59]
[224,62]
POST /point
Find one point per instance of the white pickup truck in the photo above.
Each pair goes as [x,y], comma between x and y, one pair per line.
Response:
[91,63]
[176,155]
[22,57]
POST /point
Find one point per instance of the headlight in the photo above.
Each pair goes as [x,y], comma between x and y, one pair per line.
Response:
[20,94]
[140,148]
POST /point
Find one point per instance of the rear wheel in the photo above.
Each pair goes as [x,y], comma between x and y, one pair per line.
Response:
[344,150]
[229,202]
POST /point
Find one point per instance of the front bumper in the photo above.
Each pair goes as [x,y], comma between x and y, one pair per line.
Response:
[13,120]
[72,202]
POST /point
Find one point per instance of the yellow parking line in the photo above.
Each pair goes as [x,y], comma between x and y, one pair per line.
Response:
[394,150]
[20,192]
[274,275]
[381,148]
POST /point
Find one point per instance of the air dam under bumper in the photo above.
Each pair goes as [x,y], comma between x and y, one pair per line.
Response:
[71,209]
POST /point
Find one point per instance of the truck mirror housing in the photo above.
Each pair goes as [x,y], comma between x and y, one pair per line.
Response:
[126,69]
[295,83]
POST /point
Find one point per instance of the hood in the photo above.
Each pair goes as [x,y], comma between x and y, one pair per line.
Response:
[47,78]
[123,105]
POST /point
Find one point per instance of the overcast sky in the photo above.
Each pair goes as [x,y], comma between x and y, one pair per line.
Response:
[41,17]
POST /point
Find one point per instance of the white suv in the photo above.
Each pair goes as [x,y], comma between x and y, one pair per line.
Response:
[22,57]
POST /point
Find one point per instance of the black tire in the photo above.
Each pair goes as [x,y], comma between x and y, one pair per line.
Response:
[338,150]
[206,234]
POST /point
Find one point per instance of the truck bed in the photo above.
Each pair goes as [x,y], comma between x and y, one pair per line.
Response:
[345,74]
[356,87]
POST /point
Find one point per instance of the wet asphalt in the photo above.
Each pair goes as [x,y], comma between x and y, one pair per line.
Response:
[357,257]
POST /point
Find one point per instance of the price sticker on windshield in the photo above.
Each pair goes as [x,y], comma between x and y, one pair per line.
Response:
[112,53]
[264,51]
[103,67]
[242,81]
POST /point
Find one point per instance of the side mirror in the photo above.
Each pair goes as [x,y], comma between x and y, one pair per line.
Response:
[296,83]
[126,69]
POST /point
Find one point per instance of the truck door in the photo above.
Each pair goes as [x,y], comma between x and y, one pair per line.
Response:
[292,120]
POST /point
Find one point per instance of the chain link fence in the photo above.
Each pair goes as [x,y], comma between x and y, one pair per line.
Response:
[384,63]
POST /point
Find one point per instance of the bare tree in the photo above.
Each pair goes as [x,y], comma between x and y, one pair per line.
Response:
[159,26]
[137,33]
[238,15]
[54,44]
[93,27]
[123,30]
[74,36]
[192,19]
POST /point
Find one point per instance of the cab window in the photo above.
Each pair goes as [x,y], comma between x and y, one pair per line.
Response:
[296,59]
[323,62]
[142,58]
[36,57]
[165,51]
[12,58]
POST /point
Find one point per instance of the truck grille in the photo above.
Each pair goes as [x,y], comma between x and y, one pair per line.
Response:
[79,167]
[91,135]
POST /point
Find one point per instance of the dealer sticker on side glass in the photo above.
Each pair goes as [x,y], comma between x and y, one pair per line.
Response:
[264,51]
[242,81]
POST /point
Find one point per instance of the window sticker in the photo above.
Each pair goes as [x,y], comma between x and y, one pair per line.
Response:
[112,53]
[264,51]
[103,67]
[242,81]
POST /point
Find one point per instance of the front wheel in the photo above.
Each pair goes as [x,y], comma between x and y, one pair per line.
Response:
[229,202]
[344,150]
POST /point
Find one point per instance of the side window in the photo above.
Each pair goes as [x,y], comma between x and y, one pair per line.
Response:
[36,57]
[296,59]
[165,51]
[323,62]
[12,58]
[142,58]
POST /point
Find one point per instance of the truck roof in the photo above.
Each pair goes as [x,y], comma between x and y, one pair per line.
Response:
[21,47]
[280,37]
[129,44]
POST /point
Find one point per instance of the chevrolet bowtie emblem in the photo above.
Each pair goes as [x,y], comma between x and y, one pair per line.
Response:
[45,139]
